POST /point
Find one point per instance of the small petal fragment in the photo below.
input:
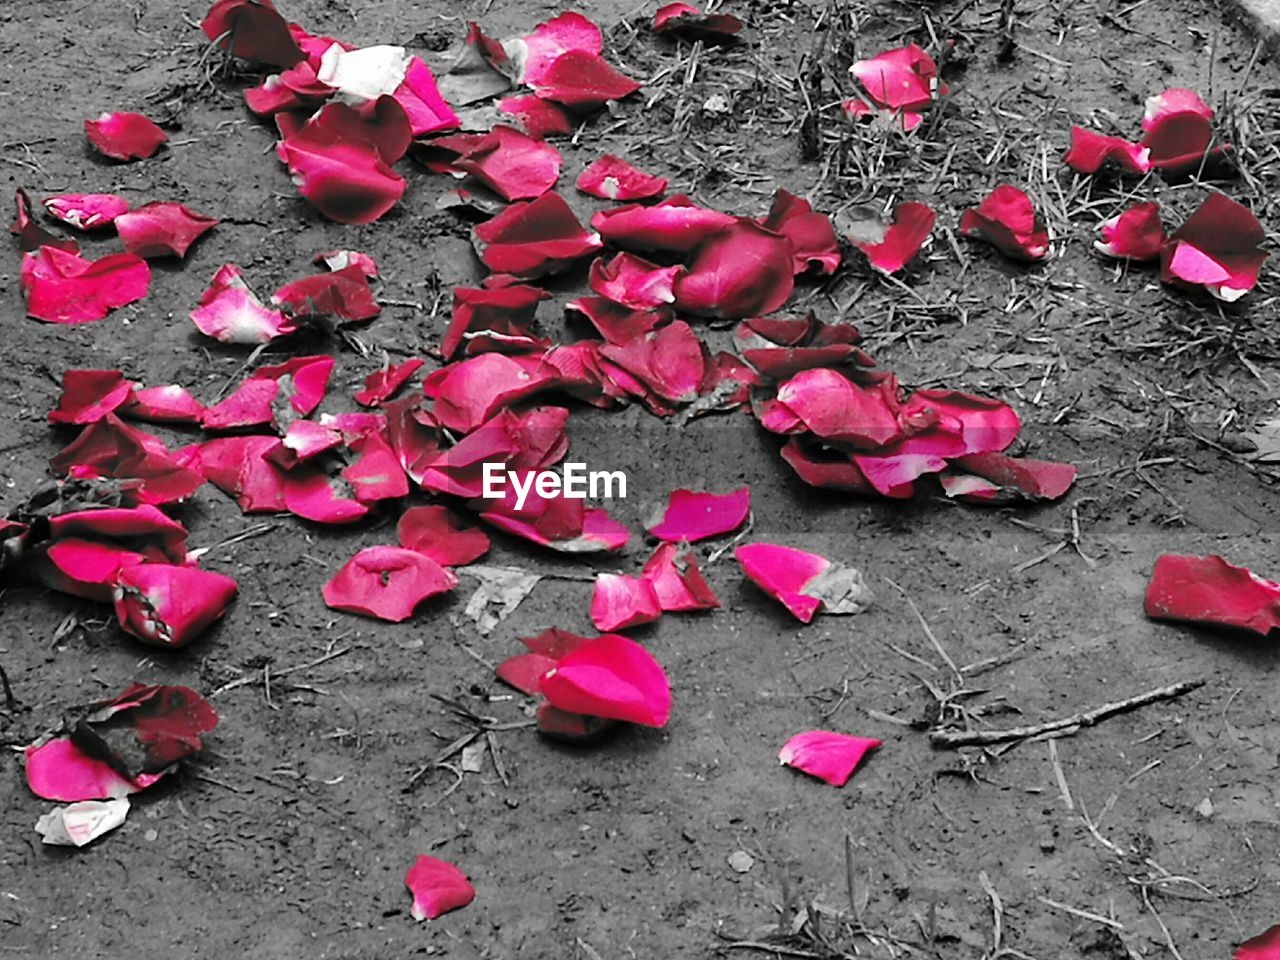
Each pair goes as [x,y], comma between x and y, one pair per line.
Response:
[437,887]
[612,178]
[81,823]
[86,211]
[619,602]
[168,605]
[1091,150]
[902,239]
[231,313]
[826,755]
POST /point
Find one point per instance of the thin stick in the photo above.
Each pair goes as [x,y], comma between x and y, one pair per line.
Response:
[1060,775]
[1087,718]
[1082,914]
[928,631]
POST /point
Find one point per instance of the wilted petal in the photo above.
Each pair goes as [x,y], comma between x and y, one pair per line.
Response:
[500,312]
[612,178]
[1008,221]
[387,583]
[677,580]
[695,515]
[1218,248]
[231,313]
[346,180]
[253,30]
[826,755]
[146,729]
[86,211]
[382,384]
[82,822]
[902,239]
[619,602]
[124,136]
[1020,477]
[162,229]
[670,361]
[1090,150]
[423,104]
[612,677]
[437,887]
[1135,234]
[167,605]
[552,39]
[363,74]
[803,582]
[1209,590]
[342,293]
[89,395]
[1171,102]
[32,236]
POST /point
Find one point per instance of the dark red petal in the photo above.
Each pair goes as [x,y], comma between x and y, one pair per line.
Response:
[252,30]
[162,229]
[438,533]
[168,605]
[740,271]
[89,395]
[1209,590]
[677,224]
[1135,234]
[1090,150]
[814,246]
[1008,221]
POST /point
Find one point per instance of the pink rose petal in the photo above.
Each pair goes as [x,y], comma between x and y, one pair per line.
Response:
[826,755]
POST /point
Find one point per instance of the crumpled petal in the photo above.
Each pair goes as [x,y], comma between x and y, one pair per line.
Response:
[685,20]
[1209,590]
[230,312]
[366,73]
[387,583]
[124,136]
[346,180]
[633,282]
[1218,248]
[80,823]
[612,178]
[31,235]
[163,228]
[64,288]
[59,770]
[382,384]
[89,395]
[146,729]
[512,164]
[677,580]
[1171,102]
[1134,234]
[901,239]
[471,391]
[437,887]
[695,515]
[814,247]
[253,30]
[670,360]
[826,755]
[613,677]
[423,104]
[1012,478]
[803,582]
[168,605]
[538,117]
[619,602]
[343,293]
[494,316]
[86,211]
[1008,221]
[740,271]
[1090,150]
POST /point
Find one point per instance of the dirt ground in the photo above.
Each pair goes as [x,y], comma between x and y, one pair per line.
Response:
[1159,833]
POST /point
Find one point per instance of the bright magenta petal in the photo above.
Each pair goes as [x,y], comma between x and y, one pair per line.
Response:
[64,288]
[436,532]
[612,677]
[826,755]
[1218,248]
[1265,946]
[168,605]
[619,602]
[124,136]
[903,238]
[231,313]
[437,887]
[783,573]
[632,282]
[1090,150]
[387,583]
[677,225]
[86,211]
[59,770]
[677,580]
[694,515]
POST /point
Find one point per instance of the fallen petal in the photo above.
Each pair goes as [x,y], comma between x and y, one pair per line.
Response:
[167,605]
[387,583]
[64,288]
[695,515]
[86,211]
[1209,590]
[81,823]
[612,178]
[437,532]
[161,229]
[124,136]
[437,887]
[611,677]
[1135,234]
[619,602]
[1008,221]
[826,755]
